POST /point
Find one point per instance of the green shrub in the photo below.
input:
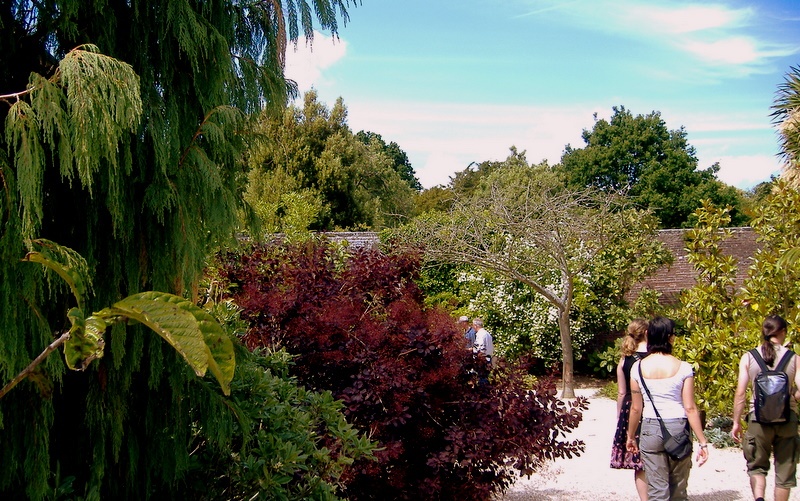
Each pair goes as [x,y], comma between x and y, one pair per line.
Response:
[604,363]
[292,444]
[718,432]
[609,390]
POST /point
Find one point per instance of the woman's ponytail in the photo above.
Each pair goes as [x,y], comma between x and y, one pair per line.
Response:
[772,326]
[634,335]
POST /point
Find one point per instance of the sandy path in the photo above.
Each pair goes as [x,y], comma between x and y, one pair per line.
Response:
[589,477]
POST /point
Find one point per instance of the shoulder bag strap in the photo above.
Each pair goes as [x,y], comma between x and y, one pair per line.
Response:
[644,385]
[664,432]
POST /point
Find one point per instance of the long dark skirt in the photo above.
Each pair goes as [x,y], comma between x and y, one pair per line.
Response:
[620,457]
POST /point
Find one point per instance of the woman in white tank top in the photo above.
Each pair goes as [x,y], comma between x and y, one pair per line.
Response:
[670,382]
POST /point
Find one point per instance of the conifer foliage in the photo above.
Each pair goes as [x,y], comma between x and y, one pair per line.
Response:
[357,325]
[121,140]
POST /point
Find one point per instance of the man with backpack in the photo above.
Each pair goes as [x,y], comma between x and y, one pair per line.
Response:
[771,371]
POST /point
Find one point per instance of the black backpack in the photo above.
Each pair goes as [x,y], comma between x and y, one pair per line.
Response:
[771,390]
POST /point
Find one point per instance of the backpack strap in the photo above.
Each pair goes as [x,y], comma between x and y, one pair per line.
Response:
[759,359]
[784,361]
[781,365]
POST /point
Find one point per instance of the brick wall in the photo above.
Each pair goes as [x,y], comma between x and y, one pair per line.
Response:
[355,239]
[669,280]
[680,275]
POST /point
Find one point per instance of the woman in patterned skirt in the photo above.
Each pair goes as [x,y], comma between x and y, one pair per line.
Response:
[634,347]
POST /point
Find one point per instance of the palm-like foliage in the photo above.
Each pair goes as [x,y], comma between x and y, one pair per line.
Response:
[786,115]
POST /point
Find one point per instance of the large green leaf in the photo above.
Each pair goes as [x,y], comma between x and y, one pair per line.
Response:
[195,334]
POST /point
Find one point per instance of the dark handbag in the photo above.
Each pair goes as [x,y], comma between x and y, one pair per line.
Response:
[678,446]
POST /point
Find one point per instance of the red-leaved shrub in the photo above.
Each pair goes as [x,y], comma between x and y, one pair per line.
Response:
[359,329]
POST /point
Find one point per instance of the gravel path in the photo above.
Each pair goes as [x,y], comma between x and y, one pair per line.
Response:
[589,477]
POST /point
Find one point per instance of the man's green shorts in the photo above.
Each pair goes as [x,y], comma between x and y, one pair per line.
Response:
[762,440]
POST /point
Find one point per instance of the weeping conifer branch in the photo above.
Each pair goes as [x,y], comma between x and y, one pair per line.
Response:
[82,113]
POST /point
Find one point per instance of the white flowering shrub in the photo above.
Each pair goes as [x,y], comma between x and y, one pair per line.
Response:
[520,320]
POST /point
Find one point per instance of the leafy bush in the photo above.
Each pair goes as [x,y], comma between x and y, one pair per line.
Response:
[285,443]
[718,432]
[604,363]
[291,443]
[609,390]
[358,328]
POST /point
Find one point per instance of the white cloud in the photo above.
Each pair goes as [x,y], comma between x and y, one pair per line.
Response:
[306,64]
[714,34]
[746,171]
[441,139]
[734,51]
[684,19]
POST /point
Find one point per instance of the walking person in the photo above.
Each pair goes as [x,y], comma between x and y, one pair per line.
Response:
[764,439]
[634,348]
[667,405]
[469,331]
[484,348]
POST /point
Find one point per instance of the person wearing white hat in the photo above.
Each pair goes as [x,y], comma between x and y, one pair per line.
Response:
[469,331]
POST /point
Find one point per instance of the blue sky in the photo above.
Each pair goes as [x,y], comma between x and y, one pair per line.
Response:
[460,81]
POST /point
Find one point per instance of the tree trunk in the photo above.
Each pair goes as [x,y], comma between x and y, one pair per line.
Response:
[568,386]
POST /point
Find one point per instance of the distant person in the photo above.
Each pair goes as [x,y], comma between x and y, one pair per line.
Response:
[762,440]
[484,348]
[670,383]
[469,331]
[634,348]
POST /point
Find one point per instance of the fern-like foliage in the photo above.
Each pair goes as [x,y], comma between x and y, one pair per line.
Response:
[131,157]
[102,95]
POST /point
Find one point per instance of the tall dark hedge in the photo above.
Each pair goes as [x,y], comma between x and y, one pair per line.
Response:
[358,328]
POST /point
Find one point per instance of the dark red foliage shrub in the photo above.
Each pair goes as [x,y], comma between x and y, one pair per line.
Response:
[359,329]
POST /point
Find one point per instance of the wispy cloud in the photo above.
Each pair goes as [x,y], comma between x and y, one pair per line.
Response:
[723,37]
[306,64]
[674,18]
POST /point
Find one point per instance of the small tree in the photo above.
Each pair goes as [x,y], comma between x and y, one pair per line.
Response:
[524,226]
[359,329]
[712,311]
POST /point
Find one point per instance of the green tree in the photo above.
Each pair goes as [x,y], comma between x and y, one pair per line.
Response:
[463,183]
[522,224]
[133,162]
[711,311]
[656,167]
[722,320]
[437,198]
[312,151]
[399,157]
